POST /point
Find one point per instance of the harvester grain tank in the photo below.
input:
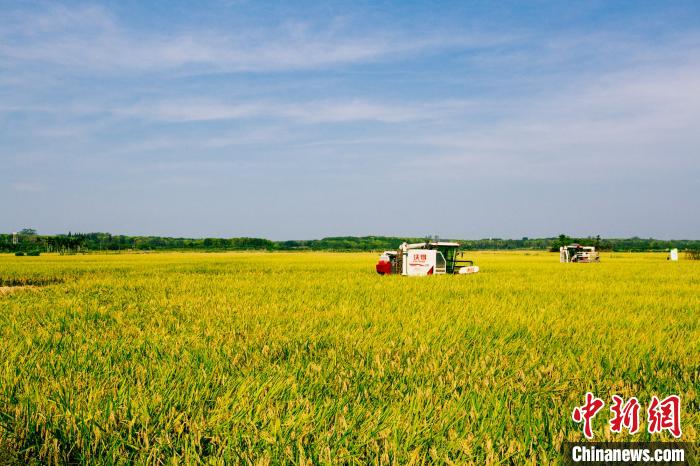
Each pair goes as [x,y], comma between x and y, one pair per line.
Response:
[429,258]
[578,253]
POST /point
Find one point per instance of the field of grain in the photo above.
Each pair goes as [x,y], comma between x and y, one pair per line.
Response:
[312,357]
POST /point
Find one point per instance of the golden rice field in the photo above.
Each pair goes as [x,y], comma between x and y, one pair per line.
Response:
[302,358]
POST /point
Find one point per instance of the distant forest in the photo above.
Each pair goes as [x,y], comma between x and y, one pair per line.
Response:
[30,242]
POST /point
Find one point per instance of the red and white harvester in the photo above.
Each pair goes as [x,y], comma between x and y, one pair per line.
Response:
[429,258]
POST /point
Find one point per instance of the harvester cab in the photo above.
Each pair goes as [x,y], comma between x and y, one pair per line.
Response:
[430,258]
[578,253]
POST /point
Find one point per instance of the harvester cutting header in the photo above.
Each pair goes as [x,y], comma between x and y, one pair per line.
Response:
[430,258]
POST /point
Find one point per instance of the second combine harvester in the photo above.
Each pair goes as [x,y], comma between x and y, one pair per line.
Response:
[578,253]
[429,258]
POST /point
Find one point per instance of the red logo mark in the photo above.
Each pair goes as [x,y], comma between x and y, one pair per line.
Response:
[587,412]
[665,415]
[625,416]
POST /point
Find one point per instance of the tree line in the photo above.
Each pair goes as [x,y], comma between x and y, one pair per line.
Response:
[28,241]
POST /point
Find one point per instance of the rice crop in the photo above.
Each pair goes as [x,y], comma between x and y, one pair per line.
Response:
[312,358]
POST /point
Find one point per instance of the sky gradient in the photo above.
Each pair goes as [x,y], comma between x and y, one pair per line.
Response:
[296,120]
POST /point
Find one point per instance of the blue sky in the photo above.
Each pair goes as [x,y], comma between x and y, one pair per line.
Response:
[302,120]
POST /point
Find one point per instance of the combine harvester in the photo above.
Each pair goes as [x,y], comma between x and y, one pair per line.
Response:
[420,259]
[578,253]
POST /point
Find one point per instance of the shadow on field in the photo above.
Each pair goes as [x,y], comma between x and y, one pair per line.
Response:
[8,456]
[14,284]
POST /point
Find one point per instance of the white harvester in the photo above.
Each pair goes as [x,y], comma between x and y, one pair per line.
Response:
[419,259]
[578,253]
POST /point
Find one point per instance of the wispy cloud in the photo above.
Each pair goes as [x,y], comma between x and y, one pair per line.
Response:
[92,38]
[324,111]
[639,117]
[103,101]
[183,109]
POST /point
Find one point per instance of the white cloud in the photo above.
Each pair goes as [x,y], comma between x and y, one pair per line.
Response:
[611,113]
[323,111]
[645,116]
[90,38]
